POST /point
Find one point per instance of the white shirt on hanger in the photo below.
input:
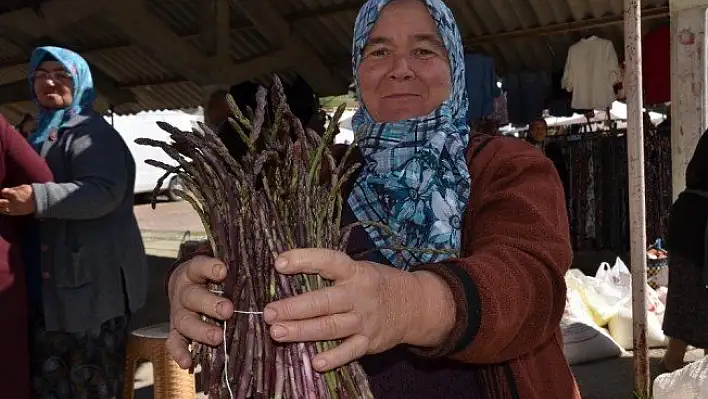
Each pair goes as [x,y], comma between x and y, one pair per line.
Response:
[591,71]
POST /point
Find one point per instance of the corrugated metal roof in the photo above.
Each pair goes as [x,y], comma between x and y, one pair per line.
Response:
[327,26]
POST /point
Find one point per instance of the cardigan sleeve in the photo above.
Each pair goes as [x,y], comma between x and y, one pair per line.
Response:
[99,162]
[509,288]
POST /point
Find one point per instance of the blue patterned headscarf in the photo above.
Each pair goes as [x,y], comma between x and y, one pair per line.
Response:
[83,94]
[415,178]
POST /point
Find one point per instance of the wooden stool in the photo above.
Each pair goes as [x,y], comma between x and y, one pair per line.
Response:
[170,381]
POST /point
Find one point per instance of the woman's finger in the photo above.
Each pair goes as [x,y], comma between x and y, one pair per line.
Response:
[202,270]
[178,348]
[328,263]
[351,349]
[191,326]
[326,328]
[322,302]
[198,299]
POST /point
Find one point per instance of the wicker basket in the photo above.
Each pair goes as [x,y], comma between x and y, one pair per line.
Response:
[654,267]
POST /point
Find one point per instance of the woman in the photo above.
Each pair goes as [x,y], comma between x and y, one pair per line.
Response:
[686,318]
[26,125]
[19,164]
[301,100]
[481,325]
[538,130]
[93,261]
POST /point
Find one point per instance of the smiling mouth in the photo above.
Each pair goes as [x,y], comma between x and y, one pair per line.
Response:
[399,96]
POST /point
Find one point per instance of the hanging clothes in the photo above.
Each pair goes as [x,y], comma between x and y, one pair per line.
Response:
[482,89]
[526,95]
[500,113]
[656,66]
[620,92]
[558,103]
[658,180]
[591,71]
[598,198]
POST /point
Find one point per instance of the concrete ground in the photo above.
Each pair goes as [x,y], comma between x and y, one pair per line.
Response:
[163,230]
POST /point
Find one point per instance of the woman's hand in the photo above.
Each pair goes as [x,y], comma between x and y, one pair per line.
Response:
[371,307]
[17,201]
[189,296]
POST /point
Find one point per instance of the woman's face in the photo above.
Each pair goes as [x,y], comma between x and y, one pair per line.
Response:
[53,85]
[404,72]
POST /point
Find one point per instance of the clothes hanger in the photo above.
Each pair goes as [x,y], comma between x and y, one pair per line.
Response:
[588,34]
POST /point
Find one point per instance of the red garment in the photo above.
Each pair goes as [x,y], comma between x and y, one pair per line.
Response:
[509,287]
[656,66]
[19,164]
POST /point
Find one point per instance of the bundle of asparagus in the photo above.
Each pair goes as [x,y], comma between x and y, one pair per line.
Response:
[269,202]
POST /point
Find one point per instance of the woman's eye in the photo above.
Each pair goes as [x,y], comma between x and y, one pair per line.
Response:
[379,52]
[423,53]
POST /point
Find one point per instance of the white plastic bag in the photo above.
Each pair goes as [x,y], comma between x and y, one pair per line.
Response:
[621,328]
[583,340]
[690,382]
[600,297]
[620,324]
[617,276]
[662,292]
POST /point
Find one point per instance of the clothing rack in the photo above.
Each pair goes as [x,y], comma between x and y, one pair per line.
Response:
[598,198]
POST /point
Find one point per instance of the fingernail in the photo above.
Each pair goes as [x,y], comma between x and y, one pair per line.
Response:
[319,364]
[218,271]
[184,362]
[214,336]
[278,332]
[280,264]
[269,315]
[222,309]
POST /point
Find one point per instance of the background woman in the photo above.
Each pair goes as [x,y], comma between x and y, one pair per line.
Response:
[484,324]
[19,164]
[93,260]
[27,125]
[686,319]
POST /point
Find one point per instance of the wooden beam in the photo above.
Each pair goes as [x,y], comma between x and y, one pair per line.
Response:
[208,32]
[15,92]
[148,32]
[540,31]
[293,18]
[276,29]
[56,14]
[34,31]
[143,29]
[223,34]
[215,36]
[564,27]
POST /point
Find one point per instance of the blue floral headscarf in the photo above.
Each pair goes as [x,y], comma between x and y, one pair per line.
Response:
[415,178]
[83,94]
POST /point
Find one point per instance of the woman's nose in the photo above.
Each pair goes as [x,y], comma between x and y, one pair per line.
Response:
[401,70]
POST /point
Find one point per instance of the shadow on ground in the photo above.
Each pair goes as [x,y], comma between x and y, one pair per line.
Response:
[611,378]
[156,309]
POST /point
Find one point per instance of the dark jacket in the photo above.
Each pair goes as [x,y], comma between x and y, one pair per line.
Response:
[689,214]
[92,248]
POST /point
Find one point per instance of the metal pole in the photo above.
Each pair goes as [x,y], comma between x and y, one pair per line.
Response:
[635,157]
